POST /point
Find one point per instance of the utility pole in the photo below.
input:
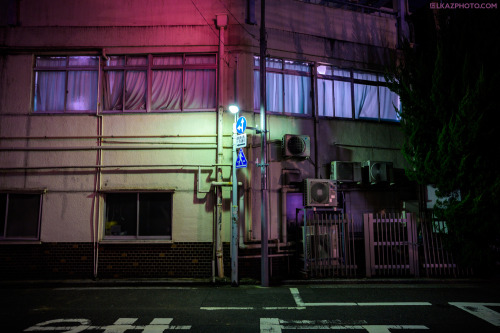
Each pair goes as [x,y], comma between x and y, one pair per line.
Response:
[234,215]
[264,265]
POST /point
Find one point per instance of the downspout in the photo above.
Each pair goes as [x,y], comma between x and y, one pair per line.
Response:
[97,185]
[317,171]
[97,197]
[221,22]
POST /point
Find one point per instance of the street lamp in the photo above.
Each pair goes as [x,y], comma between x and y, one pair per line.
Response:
[234,109]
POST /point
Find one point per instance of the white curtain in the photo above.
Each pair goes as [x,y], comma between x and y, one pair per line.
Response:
[113,90]
[200,89]
[200,84]
[167,84]
[167,90]
[365,97]
[365,101]
[51,85]
[325,98]
[334,93]
[274,91]
[135,90]
[49,93]
[298,94]
[388,102]
[82,90]
[343,101]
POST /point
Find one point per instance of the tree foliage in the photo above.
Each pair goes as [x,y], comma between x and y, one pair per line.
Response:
[448,82]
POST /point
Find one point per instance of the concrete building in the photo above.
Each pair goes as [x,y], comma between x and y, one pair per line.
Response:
[115,140]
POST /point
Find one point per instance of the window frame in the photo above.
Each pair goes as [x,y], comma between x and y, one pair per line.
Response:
[136,237]
[3,233]
[66,69]
[283,72]
[149,68]
[353,81]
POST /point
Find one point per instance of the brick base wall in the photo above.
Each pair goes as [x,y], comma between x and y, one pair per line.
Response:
[76,261]
[184,260]
[47,260]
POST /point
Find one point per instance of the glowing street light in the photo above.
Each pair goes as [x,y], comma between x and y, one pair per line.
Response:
[234,109]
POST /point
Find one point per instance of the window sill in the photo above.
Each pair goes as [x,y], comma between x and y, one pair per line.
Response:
[136,241]
[19,242]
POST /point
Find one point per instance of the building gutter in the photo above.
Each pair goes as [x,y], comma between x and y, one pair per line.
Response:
[221,23]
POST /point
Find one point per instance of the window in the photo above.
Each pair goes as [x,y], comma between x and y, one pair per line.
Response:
[20,216]
[288,86]
[66,84]
[355,94]
[138,215]
[138,83]
[171,82]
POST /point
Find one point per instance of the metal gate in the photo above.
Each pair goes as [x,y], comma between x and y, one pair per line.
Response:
[391,247]
[328,245]
[438,261]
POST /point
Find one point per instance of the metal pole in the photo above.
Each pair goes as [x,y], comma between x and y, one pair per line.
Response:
[263,148]
[234,215]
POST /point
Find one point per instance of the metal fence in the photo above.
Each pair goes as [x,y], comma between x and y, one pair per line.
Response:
[436,259]
[391,247]
[396,245]
[328,245]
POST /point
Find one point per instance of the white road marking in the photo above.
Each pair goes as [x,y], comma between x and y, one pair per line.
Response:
[480,310]
[275,325]
[301,303]
[284,308]
[296,296]
[83,324]
[394,304]
[120,326]
[124,288]
[216,308]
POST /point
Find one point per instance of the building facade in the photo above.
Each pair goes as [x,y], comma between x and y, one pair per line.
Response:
[116,143]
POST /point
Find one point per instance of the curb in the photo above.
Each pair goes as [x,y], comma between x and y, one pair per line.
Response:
[189,282]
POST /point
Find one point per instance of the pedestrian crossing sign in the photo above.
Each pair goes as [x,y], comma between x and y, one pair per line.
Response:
[241,161]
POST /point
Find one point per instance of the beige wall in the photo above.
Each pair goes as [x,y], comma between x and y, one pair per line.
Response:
[124,27]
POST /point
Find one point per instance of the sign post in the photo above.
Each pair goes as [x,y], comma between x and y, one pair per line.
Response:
[239,161]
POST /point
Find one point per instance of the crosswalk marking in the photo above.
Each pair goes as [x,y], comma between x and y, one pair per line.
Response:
[480,310]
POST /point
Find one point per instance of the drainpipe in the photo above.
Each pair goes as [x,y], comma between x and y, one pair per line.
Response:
[221,22]
[264,209]
[97,188]
[97,185]
[317,171]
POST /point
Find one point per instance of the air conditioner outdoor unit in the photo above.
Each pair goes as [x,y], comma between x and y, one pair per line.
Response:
[321,244]
[320,193]
[346,171]
[378,172]
[296,146]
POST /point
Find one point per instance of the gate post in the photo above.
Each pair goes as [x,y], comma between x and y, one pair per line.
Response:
[412,244]
[369,247]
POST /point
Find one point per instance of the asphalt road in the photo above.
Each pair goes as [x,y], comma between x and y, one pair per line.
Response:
[374,308]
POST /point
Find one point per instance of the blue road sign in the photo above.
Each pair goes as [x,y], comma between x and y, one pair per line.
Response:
[241,125]
[241,161]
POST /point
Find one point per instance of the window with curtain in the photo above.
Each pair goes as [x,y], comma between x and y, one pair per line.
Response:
[288,86]
[355,94]
[66,84]
[20,216]
[178,82]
